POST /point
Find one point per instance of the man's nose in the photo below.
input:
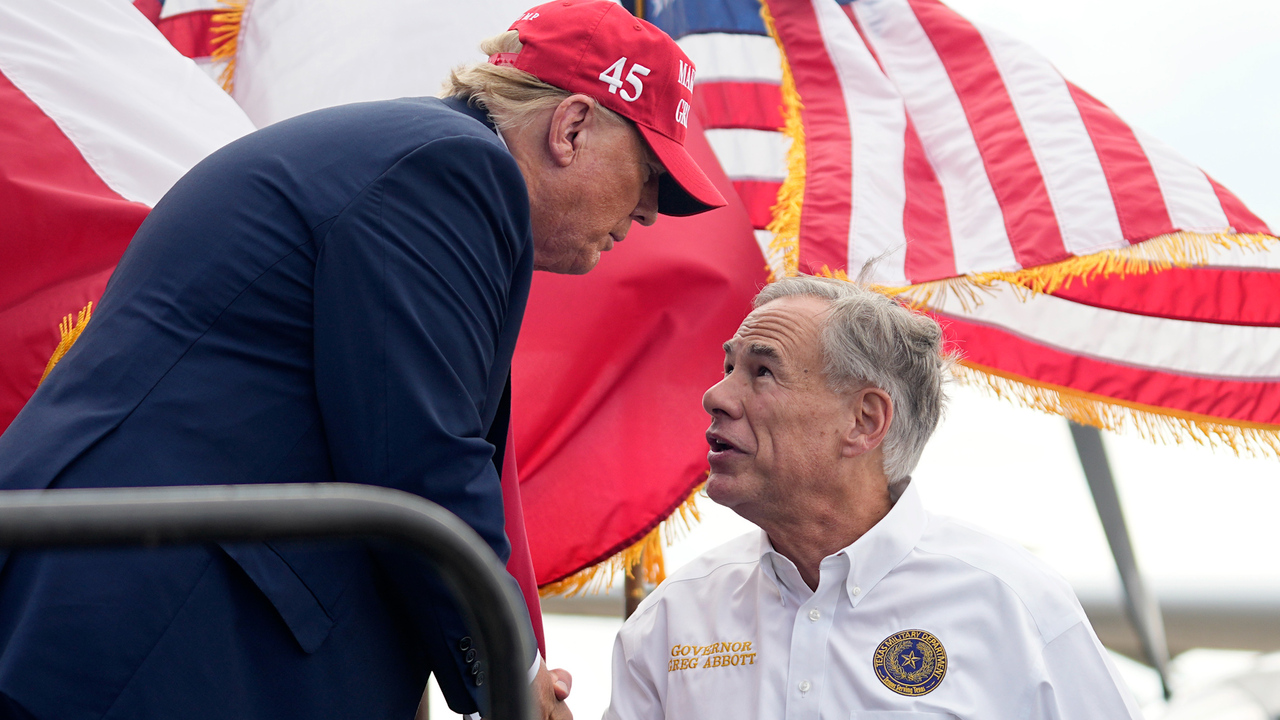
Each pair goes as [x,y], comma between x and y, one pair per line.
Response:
[718,400]
[646,212]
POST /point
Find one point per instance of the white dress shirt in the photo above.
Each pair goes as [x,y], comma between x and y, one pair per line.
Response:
[738,634]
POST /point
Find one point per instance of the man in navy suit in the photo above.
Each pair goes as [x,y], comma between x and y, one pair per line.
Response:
[333,298]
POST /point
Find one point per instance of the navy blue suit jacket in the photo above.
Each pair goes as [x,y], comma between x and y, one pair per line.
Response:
[332,298]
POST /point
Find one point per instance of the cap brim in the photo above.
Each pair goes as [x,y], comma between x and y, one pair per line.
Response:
[684,189]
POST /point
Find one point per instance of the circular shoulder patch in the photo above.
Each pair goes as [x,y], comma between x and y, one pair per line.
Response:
[912,662]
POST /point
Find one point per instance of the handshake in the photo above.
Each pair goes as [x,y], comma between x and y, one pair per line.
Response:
[550,690]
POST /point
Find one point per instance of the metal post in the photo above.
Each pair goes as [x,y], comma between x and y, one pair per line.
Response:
[178,515]
[636,586]
[633,590]
[1144,610]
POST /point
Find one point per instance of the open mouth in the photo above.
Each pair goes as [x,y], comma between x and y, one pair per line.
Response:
[719,444]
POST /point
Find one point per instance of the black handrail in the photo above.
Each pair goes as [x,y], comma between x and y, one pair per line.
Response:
[176,515]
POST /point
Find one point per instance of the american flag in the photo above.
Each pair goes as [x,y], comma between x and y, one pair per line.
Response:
[962,161]
[737,96]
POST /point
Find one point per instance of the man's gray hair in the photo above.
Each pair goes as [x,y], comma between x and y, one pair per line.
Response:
[870,339]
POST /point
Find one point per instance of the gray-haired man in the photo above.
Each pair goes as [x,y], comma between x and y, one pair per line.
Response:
[851,601]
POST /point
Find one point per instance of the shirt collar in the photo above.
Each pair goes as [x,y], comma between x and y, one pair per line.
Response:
[779,568]
[871,557]
[886,544]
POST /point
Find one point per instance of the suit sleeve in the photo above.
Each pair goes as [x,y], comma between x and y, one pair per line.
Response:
[413,284]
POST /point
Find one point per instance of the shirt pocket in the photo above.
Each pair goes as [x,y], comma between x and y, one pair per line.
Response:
[899,715]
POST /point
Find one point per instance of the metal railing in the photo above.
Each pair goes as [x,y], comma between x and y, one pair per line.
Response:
[177,515]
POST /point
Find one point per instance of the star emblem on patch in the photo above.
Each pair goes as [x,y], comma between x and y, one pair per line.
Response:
[911,662]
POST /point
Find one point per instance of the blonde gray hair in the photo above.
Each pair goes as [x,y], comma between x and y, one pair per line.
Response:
[513,98]
[869,339]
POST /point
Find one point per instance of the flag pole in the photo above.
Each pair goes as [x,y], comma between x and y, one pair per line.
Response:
[1142,606]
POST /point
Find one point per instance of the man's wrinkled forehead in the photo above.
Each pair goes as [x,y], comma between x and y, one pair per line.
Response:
[778,329]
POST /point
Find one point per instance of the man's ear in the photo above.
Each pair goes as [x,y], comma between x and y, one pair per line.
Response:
[871,412]
[568,120]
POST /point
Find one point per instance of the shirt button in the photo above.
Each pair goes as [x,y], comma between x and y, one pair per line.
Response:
[815,614]
[857,590]
[804,686]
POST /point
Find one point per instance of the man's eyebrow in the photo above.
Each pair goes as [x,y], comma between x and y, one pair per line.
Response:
[768,351]
[759,349]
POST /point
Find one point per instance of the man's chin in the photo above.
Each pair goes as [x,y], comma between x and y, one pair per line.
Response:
[574,266]
[724,489]
[565,263]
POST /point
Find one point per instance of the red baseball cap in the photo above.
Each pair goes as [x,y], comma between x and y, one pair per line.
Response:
[597,48]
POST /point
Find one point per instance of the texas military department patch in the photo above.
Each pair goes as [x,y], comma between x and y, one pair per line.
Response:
[912,662]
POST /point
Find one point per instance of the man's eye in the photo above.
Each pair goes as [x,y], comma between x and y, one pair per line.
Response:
[763,371]
[728,369]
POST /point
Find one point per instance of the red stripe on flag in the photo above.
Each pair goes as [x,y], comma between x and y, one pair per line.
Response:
[190,32]
[1006,153]
[828,191]
[61,219]
[1134,188]
[1241,218]
[759,197]
[150,9]
[63,229]
[1208,398]
[929,255]
[1207,294]
[754,106]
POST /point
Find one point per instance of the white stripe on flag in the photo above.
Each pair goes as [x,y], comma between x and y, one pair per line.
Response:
[1192,203]
[139,112]
[1211,350]
[1237,257]
[750,154]
[1063,150]
[877,127]
[180,7]
[978,234]
[732,57]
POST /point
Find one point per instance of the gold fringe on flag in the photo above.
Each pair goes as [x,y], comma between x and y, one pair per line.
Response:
[70,332]
[1156,424]
[653,571]
[785,224]
[225,29]
[1180,249]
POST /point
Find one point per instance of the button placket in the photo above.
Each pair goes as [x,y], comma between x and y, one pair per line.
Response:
[810,635]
